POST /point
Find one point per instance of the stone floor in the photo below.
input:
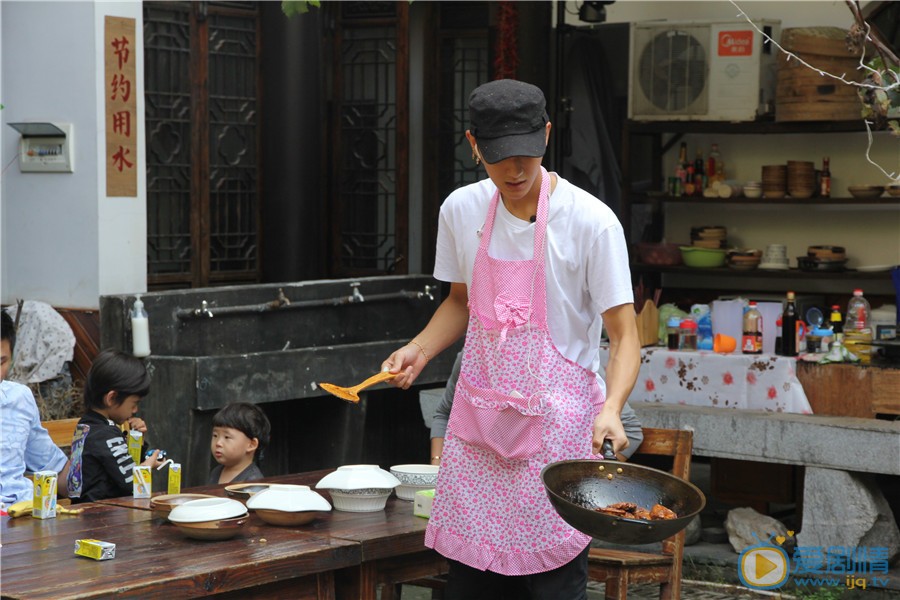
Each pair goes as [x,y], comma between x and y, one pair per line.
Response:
[710,570]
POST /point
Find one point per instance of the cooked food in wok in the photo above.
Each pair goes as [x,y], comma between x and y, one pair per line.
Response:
[630,510]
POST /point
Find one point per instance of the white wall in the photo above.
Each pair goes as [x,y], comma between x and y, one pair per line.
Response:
[870,233]
[63,241]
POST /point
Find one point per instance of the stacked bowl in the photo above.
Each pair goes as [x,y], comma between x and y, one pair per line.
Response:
[744,260]
[708,236]
[774,181]
[359,488]
[209,518]
[282,504]
[801,178]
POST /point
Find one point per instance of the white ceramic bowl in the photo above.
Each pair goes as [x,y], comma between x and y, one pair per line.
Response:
[752,192]
[357,477]
[288,498]
[207,509]
[414,478]
[358,502]
[416,474]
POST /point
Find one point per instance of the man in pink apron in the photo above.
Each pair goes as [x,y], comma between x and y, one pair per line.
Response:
[537,267]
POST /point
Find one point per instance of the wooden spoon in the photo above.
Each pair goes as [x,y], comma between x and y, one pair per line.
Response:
[351,394]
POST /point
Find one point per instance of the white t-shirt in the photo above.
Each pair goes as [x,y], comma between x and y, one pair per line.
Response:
[586,261]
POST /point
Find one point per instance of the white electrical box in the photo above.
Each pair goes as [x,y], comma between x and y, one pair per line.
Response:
[45,147]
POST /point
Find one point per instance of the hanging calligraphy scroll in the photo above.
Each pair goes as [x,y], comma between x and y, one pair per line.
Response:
[120,89]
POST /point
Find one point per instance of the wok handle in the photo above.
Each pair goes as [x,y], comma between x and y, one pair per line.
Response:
[607,450]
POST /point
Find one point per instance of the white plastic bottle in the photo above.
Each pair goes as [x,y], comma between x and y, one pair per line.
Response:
[857,313]
[140,329]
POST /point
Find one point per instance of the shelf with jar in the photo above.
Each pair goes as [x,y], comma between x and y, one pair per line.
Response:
[792,273]
[853,218]
[652,197]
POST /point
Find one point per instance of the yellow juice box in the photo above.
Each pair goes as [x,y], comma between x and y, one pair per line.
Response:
[95,549]
[44,502]
[142,482]
[135,440]
[174,478]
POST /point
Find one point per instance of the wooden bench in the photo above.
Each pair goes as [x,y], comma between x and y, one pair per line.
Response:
[620,568]
[61,431]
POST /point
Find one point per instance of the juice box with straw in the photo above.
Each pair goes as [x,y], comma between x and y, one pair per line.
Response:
[44,501]
[142,480]
[135,440]
[174,478]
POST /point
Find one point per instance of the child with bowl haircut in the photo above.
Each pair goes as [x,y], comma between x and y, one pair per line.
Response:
[101,466]
[240,432]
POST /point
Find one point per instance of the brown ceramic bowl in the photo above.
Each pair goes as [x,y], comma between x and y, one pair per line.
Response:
[659,254]
[827,252]
[284,517]
[220,529]
[243,491]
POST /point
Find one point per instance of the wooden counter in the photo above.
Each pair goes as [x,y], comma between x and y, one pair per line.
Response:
[848,390]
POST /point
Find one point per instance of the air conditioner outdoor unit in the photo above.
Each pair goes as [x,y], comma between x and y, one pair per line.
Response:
[702,70]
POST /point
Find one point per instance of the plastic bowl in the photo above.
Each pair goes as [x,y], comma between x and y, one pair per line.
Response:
[703,257]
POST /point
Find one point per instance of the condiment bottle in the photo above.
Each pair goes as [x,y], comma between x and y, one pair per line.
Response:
[825,186]
[140,330]
[837,322]
[751,341]
[672,327]
[688,334]
[712,164]
[789,345]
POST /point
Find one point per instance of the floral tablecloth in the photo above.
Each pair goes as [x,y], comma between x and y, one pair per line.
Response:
[753,382]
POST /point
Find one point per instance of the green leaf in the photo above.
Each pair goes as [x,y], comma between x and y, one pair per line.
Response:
[298,7]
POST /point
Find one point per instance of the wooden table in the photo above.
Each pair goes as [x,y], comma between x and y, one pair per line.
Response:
[340,555]
[391,541]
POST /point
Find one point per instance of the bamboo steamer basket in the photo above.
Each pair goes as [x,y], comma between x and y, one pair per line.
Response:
[802,94]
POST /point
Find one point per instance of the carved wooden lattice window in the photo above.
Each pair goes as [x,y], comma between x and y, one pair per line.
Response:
[369,188]
[201,98]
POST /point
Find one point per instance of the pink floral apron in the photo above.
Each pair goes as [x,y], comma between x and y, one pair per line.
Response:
[519,405]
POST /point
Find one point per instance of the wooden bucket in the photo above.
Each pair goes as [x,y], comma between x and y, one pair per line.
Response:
[802,94]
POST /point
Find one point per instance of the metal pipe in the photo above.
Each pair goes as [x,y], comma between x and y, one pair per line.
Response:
[185,314]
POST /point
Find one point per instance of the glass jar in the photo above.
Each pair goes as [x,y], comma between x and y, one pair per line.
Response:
[672,333]
[688,334]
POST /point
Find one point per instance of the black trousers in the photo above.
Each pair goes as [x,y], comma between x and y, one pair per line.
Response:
[568,582]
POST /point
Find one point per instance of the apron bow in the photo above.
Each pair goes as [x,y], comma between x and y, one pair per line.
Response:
[512,311]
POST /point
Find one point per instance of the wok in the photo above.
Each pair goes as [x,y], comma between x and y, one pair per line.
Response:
[577,487]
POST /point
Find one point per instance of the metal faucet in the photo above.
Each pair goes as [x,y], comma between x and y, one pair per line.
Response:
[356,296]
[427,293]
[279,301]
[203,310]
